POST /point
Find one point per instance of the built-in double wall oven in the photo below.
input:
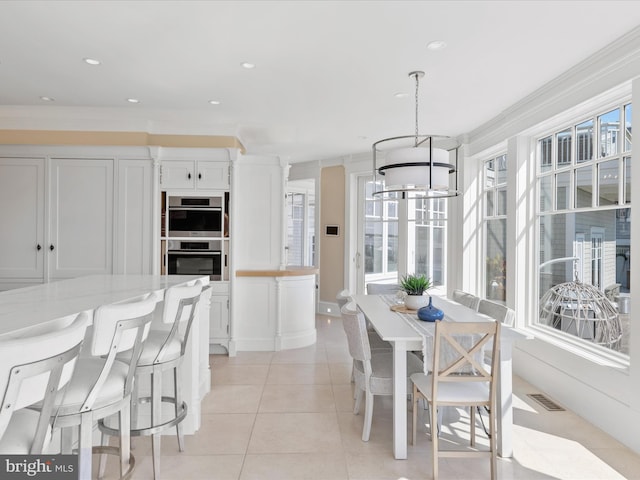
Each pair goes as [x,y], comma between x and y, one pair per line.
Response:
[196,244]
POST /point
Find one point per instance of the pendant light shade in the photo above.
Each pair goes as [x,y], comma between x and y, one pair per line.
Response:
[424,165]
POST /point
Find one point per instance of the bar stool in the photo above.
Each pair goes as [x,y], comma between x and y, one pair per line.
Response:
[101,384]
[163,351]
[34,369]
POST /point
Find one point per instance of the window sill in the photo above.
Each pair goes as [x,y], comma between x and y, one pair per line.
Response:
[592,353]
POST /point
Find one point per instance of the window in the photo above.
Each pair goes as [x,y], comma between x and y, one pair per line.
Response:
[426,238]
[380,235]
[495,225]
[300,205]
[390,251]
[584,206]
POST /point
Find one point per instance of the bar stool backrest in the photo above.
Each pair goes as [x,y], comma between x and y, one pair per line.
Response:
[109,331]
[35,368]
[119,328]
[180,308]
[172,297]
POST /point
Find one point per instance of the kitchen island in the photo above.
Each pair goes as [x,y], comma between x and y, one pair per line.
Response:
[46,307]
[277,308]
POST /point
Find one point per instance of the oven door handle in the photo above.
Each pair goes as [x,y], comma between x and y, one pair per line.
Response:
[194,252]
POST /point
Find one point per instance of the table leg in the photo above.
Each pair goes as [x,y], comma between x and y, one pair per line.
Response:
[399,400]
[505,403]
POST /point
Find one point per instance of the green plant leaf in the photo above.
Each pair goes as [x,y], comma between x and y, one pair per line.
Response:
[415,284]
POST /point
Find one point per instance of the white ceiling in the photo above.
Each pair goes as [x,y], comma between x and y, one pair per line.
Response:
[326,72]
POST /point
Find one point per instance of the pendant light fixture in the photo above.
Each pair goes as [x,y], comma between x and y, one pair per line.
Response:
[418,165]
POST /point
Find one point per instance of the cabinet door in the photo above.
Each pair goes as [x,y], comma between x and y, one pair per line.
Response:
[178,174]
[133,220]
[22,218]
[219,320]
[81,223]
[212,175]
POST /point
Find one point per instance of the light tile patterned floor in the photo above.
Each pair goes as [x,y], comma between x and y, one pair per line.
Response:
[288,416]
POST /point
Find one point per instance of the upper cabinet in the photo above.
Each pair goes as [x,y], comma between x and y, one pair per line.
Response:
[194,174]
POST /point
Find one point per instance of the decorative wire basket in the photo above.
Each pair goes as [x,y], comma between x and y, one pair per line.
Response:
[582,310]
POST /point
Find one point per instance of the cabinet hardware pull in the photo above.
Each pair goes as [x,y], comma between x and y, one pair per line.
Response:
[189,176]
[199,176]
[52,248]
[38,247]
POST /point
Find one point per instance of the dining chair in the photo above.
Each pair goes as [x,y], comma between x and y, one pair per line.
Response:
[101,384]
[497,311]
[466,299]
[460,379]
[34,369]
[373,372]
[382,288]
[163,351]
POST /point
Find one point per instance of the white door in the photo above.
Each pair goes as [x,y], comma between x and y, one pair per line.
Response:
[22,218]
[597,245]
[81,218]
[377,257]
[578,252]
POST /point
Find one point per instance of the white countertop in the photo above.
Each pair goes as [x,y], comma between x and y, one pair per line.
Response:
[25,311]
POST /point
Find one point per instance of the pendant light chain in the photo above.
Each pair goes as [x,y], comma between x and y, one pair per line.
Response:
[417,84]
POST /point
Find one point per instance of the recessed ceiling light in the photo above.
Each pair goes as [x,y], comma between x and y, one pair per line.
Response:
[401,95]
[91,61]
[214,102]
[133,100]
[248,65]
[436,45]
[46,99]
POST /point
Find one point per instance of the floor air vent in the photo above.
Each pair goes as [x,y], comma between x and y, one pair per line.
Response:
[546,402]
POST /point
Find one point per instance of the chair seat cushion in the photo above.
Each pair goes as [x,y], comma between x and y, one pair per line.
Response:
[18,436]
[154,343]
[71,398]
[381,380]
[456,393]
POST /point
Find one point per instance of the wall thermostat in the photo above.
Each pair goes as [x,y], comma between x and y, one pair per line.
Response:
[332,230]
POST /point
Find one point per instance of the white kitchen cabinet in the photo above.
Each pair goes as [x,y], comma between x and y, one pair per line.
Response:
[219,314]
[194,174]
[22,218]
[133,203]
[81,217]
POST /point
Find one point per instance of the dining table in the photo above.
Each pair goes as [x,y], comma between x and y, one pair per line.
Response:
[396,327]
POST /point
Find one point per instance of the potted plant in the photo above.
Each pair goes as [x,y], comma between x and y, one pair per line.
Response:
[415,286]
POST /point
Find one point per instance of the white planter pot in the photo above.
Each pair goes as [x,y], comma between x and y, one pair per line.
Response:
[414,302]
